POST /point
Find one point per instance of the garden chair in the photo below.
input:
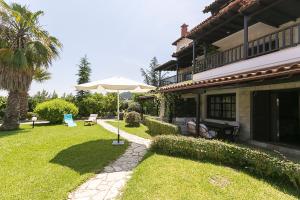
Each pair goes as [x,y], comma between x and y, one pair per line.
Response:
[92,120]
[236,131]
[68,119]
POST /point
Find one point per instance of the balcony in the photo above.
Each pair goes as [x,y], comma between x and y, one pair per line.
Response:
[283,39]
[181,77]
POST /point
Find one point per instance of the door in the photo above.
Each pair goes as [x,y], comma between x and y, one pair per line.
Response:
[289,117]
[261,117]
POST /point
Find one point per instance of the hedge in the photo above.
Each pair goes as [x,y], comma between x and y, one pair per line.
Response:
[157,127]
[254,161]
[54,110]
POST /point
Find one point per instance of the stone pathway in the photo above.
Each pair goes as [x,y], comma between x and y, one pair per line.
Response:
[109,183]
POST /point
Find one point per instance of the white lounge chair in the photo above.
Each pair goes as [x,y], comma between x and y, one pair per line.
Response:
[204,131]
[92,120]
[207,134]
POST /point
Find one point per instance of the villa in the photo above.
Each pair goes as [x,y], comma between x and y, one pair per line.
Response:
[242,65]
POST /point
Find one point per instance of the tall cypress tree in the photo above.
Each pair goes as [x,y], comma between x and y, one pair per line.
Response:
[151,77]
[84,73]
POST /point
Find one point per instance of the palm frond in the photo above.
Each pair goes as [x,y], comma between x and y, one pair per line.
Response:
[41,75]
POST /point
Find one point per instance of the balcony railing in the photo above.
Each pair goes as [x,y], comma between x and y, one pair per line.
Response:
[181,77]
[276,41]
[168,81]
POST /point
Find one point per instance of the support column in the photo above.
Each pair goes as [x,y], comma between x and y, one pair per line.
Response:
[246,32]
[177,75]
[198,115]
[159,78]
[194,57]
[205,56]
[162,107]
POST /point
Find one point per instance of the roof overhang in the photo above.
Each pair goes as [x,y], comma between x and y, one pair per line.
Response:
[168,66]
[230,18]
[247,77]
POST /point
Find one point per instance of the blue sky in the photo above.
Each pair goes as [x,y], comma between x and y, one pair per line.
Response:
[119,37]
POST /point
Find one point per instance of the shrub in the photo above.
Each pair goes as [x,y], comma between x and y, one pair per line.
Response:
[133,119]
[54,110]
[157,127]
[134,106]
[2,106]
[255,161]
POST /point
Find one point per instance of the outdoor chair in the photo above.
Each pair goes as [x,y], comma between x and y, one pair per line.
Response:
[92,120]
[235,132]
[68,120]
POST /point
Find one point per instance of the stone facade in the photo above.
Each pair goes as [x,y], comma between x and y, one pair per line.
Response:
[243,104]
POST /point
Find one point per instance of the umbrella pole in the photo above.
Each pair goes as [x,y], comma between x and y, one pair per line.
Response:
[118,142]
[118,116]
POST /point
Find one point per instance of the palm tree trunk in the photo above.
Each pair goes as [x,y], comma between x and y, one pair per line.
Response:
[12,112]
[23,104]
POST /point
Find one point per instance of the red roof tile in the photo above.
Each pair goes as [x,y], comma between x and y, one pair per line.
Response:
[233,7]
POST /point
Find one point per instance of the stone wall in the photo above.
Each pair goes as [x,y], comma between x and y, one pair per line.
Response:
[243,104]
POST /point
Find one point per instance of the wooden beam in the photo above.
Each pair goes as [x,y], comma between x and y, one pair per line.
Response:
[267,21]
[219,26]
[275,2]
[284,14]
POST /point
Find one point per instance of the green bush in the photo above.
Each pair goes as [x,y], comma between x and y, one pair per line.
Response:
[54,110]
[134,106]
[255,161]
[2,106]
[157,127]
[103,105]
[133,119]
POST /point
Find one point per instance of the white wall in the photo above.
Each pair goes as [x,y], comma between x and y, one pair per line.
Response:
[255,31]
[183,43]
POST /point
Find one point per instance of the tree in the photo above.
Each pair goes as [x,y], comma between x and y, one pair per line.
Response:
[40,75]
[54,95]
[39,97]
[24,47]
[84,73]
[151,77]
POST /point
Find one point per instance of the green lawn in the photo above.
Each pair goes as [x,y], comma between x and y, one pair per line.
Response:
[141,131]
[169,178]
[49,161]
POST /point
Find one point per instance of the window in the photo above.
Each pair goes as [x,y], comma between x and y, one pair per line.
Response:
[222,107]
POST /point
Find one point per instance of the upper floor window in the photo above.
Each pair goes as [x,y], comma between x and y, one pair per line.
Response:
[222,107]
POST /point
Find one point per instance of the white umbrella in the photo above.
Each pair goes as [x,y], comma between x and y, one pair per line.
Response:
[116,84]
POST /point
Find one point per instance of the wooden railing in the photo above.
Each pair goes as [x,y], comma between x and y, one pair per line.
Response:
[276,41]
[168,81]
[181,77]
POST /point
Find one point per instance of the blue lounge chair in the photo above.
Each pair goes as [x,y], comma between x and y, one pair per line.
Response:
[68,119]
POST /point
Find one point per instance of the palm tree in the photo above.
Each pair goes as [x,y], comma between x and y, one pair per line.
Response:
[24,47]
[40,75]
